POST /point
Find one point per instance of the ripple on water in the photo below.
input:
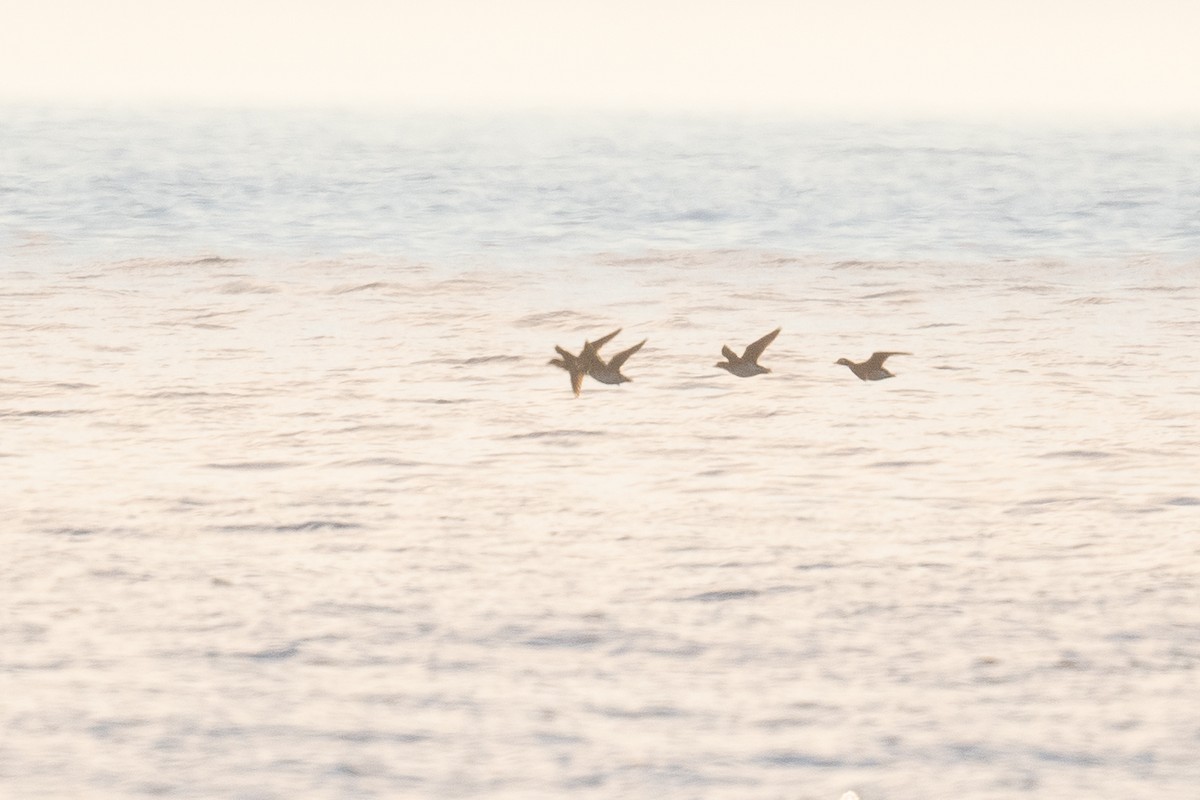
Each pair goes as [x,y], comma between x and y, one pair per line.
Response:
[721,596]
[292,527]
[246,287]
[545,318]
[554,434]
[73,532]
[252,465]
[568,639]
[1083,454]
[380,461]
[795,758]
[364,287]
[54,412]
[484,360]
[646,712]
[277,653]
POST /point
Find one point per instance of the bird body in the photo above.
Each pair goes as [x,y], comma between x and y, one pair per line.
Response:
[872,369]
[610,372]
[746,365]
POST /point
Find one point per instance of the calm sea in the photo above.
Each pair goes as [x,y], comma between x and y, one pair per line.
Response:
[294,505]
[503,189]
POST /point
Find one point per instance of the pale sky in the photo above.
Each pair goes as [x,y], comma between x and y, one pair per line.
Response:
[1120,58]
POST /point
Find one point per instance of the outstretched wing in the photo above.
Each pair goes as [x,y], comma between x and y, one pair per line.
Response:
[603,340]
[577,381]
[730,356]
[876,360]
[623,356]
[755,350]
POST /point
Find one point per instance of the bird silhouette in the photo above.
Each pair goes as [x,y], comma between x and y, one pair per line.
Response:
[577,366]
[872,369]
[610,372]
[747,364]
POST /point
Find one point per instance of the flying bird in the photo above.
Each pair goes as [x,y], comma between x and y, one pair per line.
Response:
[573,365]
[590,354]
[610,372]
[577,366]
[872,369]
[747,364]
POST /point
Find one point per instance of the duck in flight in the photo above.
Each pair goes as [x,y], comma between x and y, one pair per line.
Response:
[577,366]
[747,364]
[872,369]
[573,365]
[608,372]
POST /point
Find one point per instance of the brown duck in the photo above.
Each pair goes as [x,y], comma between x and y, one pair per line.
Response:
[608,371]
[578,366]
[747,364]
[872,369]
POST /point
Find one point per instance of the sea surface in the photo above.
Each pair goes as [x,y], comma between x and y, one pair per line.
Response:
[294,505]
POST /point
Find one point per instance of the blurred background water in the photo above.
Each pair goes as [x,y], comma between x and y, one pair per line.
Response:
[296,507]
[511,187]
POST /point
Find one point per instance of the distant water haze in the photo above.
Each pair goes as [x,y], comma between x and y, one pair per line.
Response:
[296,507]
[504,188]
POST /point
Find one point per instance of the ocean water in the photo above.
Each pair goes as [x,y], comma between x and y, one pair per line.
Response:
[506,189]
[295,506]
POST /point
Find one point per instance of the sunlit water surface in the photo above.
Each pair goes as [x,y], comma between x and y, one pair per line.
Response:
[328,525]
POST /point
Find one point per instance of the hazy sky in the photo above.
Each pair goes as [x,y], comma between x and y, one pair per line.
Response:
[1122,57]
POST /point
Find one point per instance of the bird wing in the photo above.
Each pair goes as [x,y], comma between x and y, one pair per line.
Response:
[620,358]
[730,356]
[603,340]
[577,381]
[755,350]
[876,360]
